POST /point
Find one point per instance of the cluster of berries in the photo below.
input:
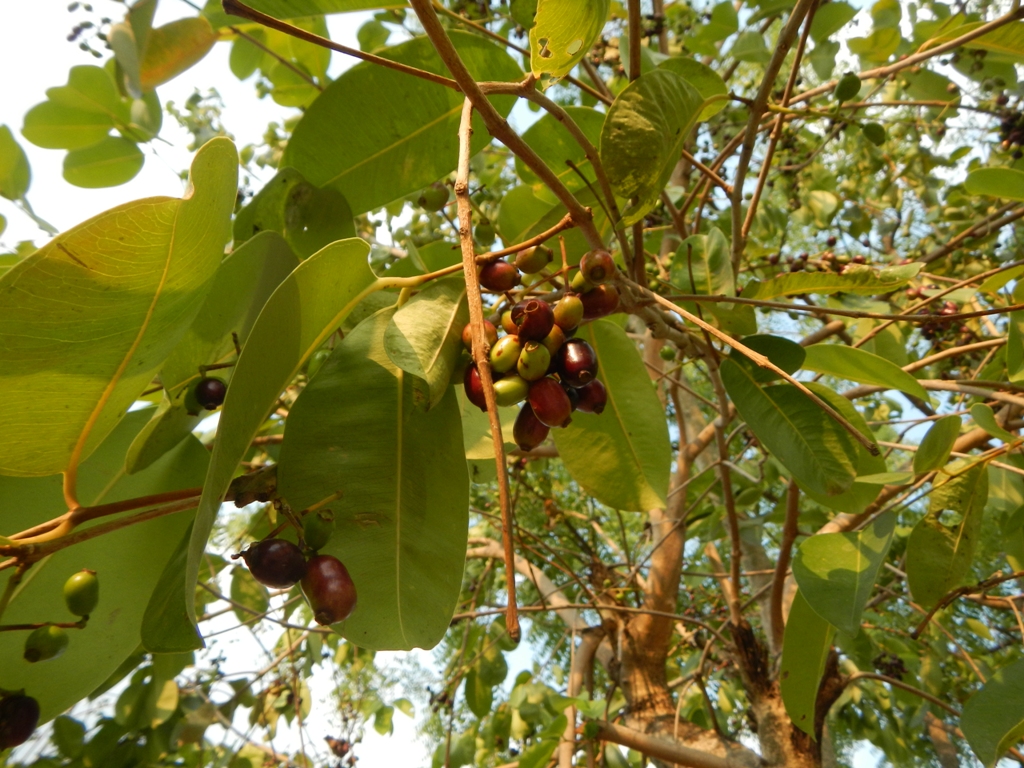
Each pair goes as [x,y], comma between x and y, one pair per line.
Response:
[325,580]
[538,360]
[934,330]
[19,713]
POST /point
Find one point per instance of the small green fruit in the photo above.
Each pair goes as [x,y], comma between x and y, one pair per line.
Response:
[579,283]
[82,593]
[569,312]
[667,353]
[533,260]
[534,361]
[505,354]
[507,324]
[434,197]
[874,132]
[848,87]
[484,233]
[554,340]
[44,643]
[317,528]
[511,389]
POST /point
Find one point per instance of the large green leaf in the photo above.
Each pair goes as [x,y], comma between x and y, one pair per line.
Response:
[374,149]
[173,48]
[424,338]
[244,282]
[78,114]
[856,279]
[939,554]
[563,32]
[702,265]
[857,365]
[993,718]
[128,563]
[1005,183]
[171,424]
[819,452]
[805,648]
[111,161]
[621,457]
[553,143]
[708,83]
[934,450]
[89,318]
[307,216]
[837,571]
[643,136]
[304,310]
[401,526]
[830,18]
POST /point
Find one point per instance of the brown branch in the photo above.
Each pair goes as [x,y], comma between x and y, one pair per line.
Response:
[480,356]
[982,586]
[986,226]
[905,686]
[789,533]
[236,8]
[561,226]
[497,126]
[736,553]
[652,746]
[281,59]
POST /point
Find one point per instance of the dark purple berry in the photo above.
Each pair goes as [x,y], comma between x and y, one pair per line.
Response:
[275,562]
[19,716]
[499,276]
[529,431]
[329,590]
[550,403]
[533,318]
[474,387]
[210,392]
[601,301]
[577,363]
[593,397]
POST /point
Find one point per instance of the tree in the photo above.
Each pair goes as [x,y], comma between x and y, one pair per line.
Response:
[786,522]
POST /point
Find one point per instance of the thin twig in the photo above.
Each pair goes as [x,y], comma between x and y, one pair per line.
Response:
[789,534]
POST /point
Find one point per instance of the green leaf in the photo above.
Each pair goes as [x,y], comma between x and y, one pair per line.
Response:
[174,48]
[643,135]
[15,175]
[829,19]
[934,450]
[876,47]
[374,150]
[112,161]
[128,563]
[525,213]
[91,89]
[985,418]
[242,285]
[805,648]
[862,492]
[856,279]
[563,32]
[304,310]
[939,555]
[786,354]
[171,424]
[290,9]
[708,83]
[53,126]
[836,572]
[553,143]
[69,736]
[1005,183]
[248,593]
[993,718]
[308,217]
[424,338]
[857,365]
[622,457]
[401,525]
[479,695]
[115,294]
[383,720]
[811,445]
[706,258]
[749,46]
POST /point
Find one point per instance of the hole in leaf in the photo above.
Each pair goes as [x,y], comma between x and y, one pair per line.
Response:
[544,52]
[574,46]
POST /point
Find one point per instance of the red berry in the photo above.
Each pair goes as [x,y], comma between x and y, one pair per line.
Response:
[832,241]
[533,318]
[489,331]
[597,267]
[499,276]
[210,392]
[550,403]
[329,589]
[593,397]
[577,363]
[19,716]
[275,562]
[529,431]
[601,301]
[474,387]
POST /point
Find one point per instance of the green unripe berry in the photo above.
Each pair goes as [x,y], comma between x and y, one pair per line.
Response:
[434,197]
[484,233]
[554,340]
[579,283]
[505,354]
[44,643]
[874,132]
[318,359]
[534,361]
[317,528]
[533,260]
[82,593]
[511,389]
[507,325]
[848,87]
[667,353]
[569,312]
